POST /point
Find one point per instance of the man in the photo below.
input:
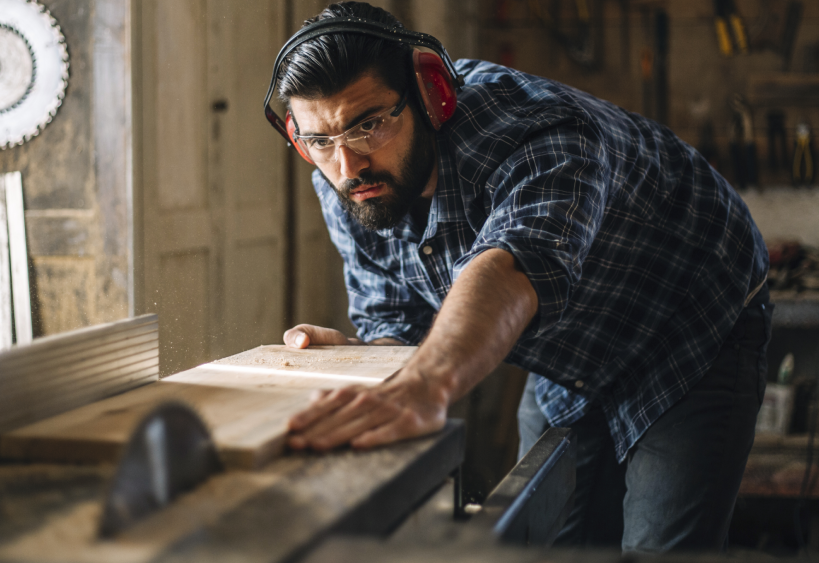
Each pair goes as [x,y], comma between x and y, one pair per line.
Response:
[555,231]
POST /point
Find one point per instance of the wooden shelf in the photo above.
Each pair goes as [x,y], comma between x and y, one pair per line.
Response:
[784,88]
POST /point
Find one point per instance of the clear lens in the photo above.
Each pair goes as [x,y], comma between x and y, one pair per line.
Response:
[364,138]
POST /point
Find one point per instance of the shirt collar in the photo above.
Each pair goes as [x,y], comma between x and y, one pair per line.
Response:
[447,204]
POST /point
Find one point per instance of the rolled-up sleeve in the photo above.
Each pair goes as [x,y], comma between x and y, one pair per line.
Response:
[545,204]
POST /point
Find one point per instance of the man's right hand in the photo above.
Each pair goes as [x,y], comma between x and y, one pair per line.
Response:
[302,336]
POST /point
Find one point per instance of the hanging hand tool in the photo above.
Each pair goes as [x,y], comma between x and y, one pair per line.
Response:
[661,26]
[169,453]
[777,141]
[792,19]
[743,147]
[729,23]
[803,168]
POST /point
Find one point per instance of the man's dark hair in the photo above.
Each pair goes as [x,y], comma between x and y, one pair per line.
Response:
[327,64]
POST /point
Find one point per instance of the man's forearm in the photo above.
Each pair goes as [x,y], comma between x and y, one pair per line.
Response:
[482,317]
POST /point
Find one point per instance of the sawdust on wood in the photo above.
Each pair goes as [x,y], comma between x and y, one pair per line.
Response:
[313,358]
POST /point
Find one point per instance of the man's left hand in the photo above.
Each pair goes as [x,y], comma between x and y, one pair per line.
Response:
[405,406]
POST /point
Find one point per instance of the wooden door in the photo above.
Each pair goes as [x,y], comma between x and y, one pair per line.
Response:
[210,178]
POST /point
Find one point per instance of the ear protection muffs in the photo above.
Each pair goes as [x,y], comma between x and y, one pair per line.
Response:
[435,89]
[435,83]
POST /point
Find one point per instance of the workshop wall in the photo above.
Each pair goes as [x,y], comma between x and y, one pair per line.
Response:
[76,179]
[211,178]
[618,54]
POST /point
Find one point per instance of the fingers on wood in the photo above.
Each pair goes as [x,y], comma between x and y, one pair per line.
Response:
[323,406]
[346,433]
[301,336]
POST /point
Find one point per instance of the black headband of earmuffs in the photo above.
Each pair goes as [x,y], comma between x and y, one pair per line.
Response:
[353,25]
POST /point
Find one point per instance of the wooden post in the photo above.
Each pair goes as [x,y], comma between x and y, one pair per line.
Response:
[5,273]
[18,253]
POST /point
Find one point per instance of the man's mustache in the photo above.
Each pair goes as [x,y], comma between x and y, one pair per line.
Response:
[365,179]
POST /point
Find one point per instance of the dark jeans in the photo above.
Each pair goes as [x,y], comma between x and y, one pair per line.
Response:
[677,487]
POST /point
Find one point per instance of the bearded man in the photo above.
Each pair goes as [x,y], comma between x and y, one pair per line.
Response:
[538,225]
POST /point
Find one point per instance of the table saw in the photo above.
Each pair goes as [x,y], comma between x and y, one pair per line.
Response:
[61,452]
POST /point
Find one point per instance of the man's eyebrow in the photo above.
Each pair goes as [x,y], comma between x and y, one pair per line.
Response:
[353,122]
[364,115]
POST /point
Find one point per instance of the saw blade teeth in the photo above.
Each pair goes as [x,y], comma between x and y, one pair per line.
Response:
[47,110]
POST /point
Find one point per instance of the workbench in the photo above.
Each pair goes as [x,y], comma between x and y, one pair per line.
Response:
[86,436]
[276,512]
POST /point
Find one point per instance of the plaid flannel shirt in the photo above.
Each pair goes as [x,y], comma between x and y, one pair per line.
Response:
[640,253]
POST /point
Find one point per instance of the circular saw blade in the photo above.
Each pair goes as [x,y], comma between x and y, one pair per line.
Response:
[169,453]
[33,70]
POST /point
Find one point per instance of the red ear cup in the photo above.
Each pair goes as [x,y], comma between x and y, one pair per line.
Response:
[291,131]
[435,86]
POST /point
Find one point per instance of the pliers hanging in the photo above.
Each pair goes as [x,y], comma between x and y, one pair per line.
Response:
[727,20]
[803,168]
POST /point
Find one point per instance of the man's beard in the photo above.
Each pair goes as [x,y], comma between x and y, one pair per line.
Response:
[386,211]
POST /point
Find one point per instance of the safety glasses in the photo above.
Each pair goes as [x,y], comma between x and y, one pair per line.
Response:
[366,137]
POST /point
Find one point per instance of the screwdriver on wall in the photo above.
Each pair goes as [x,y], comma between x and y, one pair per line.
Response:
[729,23]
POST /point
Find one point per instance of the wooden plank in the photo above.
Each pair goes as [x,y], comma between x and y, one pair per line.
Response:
[376,362]
[21,293]
[112,122]
[245,400]
[58,373]
[5,273]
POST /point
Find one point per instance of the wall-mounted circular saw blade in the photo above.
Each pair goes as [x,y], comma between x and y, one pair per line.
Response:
[33,70]
[169,453]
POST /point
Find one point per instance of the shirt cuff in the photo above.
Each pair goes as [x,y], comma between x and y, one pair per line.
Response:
[546,273]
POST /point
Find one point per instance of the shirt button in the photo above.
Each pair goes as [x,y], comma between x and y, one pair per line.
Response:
[427,250]
[579,384]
